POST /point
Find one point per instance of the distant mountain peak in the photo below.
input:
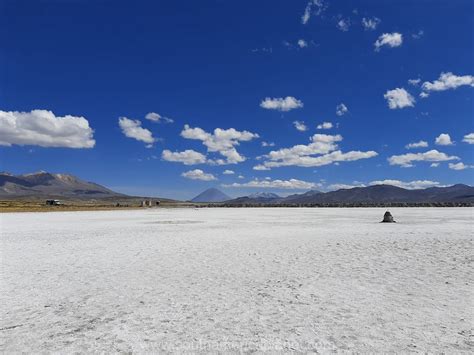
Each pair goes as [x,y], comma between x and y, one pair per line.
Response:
[312,192]
[40,172]
[43,184]
[211,195]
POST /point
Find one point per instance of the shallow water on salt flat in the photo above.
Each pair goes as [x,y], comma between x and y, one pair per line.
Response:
[238,280]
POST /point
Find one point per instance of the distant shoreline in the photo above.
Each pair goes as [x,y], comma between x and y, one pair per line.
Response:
[11,206]
[34,206]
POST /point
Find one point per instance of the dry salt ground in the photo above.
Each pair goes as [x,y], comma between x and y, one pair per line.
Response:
[238,280]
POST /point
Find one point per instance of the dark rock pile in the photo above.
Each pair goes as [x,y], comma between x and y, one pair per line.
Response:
[388,218]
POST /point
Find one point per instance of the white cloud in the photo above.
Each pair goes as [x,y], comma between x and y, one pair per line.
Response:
[333,187]
[222,141]
[291,184]
[299,44]
[341,109]
[459,166]
[187,157]
[370,23]
[156,117]
[447,81]
[198,174]
[469,138]
[241,177]
[406,160]
[420,144]
[414,82]
[262,50]
[411,185]
[260,167]
[392,40]
[281,104]
[343,25]
[434,165]
[43,128]
[399,98]
[443,139]
[228,172]
[268,144]
[324,125]
[321,151]
[418,35]
[133,129]
[300,126]
[302,43]
[424,95]
[313,7]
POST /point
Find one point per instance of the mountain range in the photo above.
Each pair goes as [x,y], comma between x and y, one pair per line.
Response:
[48,185]
[44,184]
[370,194]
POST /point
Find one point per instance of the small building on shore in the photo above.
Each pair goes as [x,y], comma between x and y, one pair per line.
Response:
[149,203]
[53,203]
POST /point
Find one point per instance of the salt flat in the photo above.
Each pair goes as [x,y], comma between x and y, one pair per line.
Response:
[238,280]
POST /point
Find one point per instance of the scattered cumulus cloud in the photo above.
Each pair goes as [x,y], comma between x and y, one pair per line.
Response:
[443,139]
[414,82]
[420,144]
[299,44]
[406,160]
[343,24]
[268,144]
[222,141]
[260,167]
[302,43]
[399,98]
[187,157]
[341,109]
[198,174]
[156,117]
[447,81]
[370,24]
[300,126]
[228,172]
[262,50]
[43,128]
[469,138]
[133,129]
[391,40]
[323,150]
[459,166]
[313,8]
[434,165]
[418,34]
[324,125]
[281,104]
[291,184]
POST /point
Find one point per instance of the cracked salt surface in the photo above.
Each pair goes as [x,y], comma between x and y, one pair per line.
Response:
[238,280]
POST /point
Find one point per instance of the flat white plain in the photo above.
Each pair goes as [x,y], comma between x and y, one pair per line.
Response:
[238,280]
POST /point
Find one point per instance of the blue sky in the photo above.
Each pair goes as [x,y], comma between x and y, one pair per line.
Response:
[78,79]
